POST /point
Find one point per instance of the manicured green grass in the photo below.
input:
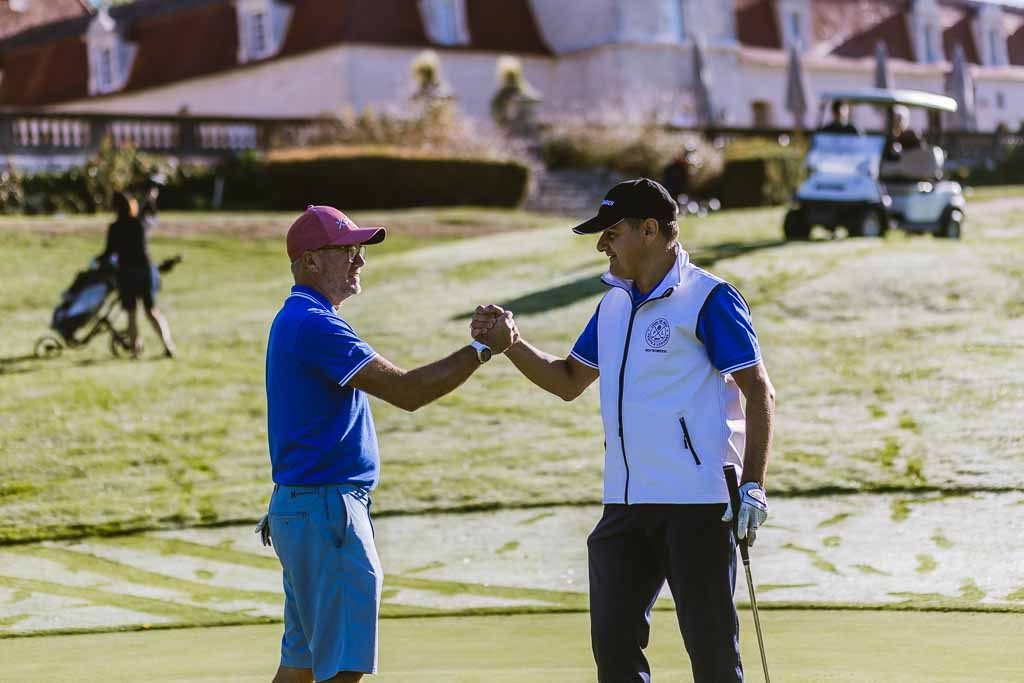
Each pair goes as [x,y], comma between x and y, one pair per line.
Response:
[890,357]
[802,647]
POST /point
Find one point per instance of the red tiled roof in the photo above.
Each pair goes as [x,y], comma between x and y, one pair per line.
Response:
[1015,46]
[212,45]
[49,64]
[757,24]
[317,24]
[47,73]
[505,26]
[893,32]
[37,13]
[960,34]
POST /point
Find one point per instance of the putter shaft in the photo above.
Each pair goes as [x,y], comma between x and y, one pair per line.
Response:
[757,620]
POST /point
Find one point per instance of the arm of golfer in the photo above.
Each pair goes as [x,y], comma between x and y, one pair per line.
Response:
[760,394]
[566,378]
[413,389]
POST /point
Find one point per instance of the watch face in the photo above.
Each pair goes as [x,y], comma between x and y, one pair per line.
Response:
[484,354]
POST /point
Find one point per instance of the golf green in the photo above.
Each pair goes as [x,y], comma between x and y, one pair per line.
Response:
[819,645]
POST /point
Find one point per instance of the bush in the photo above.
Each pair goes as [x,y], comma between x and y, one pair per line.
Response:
[635,152]
[759,181]
[1008,171]
[377,181]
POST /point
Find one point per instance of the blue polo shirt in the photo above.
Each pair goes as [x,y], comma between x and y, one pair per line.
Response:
[320,429]
[724,325]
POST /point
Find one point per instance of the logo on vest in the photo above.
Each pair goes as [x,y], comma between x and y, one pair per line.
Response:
[658,333]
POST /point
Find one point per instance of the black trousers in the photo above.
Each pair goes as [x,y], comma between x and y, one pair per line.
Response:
[633,550]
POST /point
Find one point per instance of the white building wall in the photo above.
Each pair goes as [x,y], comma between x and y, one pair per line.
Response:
[322,82]
[989,86]
[634,81]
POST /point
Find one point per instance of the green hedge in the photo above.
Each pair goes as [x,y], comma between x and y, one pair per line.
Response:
[378,181]
[365,181]
[1008,171]
[762,181]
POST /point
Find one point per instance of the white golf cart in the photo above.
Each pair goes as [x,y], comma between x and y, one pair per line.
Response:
[867,182]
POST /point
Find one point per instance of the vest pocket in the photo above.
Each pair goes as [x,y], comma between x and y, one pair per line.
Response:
[687,442]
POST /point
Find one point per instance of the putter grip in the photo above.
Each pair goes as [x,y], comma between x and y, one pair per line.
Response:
[734,497]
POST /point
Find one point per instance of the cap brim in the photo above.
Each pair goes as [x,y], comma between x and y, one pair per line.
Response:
[363,236]
[598,223]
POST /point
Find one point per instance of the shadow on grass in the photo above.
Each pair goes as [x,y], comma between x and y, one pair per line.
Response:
[13,365]
[569,293]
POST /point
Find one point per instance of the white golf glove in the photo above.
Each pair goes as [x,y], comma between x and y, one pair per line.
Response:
[753,511]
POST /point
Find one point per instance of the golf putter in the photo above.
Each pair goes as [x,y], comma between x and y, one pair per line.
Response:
[734,497]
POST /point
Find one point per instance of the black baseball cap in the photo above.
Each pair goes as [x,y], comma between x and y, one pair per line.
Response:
[640,198]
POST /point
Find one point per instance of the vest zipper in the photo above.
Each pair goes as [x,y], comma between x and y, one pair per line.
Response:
[687,442]
[622,380]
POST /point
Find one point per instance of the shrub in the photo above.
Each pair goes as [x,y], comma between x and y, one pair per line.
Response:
[633,151]
[1008,171]
[374,181]
[759,181]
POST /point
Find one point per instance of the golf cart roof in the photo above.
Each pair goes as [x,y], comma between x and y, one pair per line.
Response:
[884,96]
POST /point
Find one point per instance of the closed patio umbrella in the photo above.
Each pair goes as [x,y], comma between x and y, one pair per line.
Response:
[702,87]
[797,92]
[961,89]
[883,76]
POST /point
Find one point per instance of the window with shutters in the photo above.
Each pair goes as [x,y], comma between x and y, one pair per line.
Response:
[110,55]
[445,21]
[262,26]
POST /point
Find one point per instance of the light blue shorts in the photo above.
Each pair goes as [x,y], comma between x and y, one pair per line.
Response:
[332,578]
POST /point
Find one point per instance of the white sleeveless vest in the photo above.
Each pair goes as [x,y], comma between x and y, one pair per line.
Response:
[671,420]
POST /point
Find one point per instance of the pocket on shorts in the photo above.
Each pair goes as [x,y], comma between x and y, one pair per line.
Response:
[286,532]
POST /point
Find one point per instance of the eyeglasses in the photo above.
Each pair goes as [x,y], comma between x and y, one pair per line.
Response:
[352,251]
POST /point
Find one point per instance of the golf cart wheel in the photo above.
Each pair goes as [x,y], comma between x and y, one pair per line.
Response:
[870,223]
[48,347]
[796,227]
[120,346]
[951,227]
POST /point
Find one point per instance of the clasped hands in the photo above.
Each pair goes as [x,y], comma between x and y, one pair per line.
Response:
[494,326]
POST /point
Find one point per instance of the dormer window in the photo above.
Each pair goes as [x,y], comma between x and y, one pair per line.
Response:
[257,35]
[794,17]
[925,31]
[930,55]
[105,71]
[262,26]
[110,56]
[445,21]
[990,35]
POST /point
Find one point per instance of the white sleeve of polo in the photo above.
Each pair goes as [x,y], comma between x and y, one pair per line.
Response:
[741,366]
[356,369]
[583,360]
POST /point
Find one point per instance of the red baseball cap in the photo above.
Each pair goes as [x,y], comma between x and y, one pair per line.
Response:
[325,226]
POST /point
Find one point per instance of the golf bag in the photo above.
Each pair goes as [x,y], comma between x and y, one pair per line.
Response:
[87,308]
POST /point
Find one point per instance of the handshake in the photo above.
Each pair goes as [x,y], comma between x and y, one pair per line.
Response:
[493,325]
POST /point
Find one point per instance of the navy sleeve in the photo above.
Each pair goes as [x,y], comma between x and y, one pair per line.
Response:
[332,347]
[585,349]
[725,327]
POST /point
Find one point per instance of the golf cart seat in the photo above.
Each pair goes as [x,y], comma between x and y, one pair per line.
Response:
[920,163]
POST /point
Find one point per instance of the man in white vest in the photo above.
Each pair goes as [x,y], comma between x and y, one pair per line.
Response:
[674,347]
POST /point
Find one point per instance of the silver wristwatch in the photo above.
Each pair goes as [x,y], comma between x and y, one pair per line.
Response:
[483,351]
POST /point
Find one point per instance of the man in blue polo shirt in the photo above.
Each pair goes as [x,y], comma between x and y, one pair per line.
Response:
[674,347]
[323,448]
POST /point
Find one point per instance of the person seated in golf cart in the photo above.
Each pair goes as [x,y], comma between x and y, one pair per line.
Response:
[840,120]
[907,156]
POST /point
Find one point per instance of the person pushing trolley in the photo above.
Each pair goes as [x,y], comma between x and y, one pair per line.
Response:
[674,348]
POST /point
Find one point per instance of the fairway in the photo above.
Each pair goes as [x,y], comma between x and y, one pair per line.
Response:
[803,646]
